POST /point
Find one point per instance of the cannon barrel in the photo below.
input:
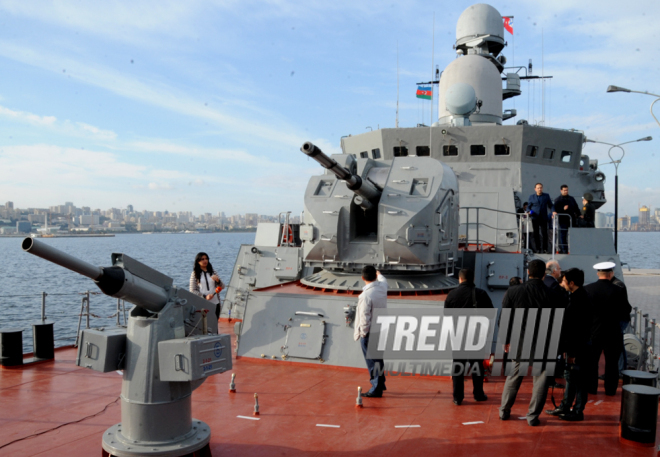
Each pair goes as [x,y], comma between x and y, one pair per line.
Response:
[115,281]
[62,259]
[368,193]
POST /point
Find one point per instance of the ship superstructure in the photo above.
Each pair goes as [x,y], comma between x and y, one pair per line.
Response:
[416,203]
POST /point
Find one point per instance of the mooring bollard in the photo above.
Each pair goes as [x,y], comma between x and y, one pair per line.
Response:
[232,385]
[256,405]
[358,400]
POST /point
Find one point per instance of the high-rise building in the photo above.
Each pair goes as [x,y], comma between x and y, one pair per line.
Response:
[9,205]
[644,216]
[624,223]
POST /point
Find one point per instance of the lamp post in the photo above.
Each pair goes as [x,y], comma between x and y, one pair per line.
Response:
[623,89]
[616,179]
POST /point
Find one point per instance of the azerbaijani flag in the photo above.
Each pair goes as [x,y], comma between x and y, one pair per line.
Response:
[424,92]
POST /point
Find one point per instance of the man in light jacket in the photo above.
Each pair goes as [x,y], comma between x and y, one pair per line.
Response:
[374,295]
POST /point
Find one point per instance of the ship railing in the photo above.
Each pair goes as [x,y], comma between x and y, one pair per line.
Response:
[522,229]
[25,312]
[645,329]
[556,236]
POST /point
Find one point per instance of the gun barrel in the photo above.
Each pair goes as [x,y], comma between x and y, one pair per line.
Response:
[41,249]
[366,190]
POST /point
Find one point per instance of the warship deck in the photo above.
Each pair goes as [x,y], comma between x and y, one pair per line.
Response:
[57,408]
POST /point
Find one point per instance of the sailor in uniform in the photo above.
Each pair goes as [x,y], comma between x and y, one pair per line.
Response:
[588,217]
[610,307]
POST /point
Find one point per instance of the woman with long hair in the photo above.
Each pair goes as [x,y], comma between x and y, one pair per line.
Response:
[204,280]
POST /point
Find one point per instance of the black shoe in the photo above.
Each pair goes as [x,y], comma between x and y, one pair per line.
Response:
[557,411]
[556,385]
[572,417]
[534,422]
[505,416]
[373,394]
[458,402]
[480,397]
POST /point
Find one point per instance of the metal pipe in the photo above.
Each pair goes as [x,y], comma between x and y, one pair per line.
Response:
[41,249]
[478,239]
[82,307]
[118,311]
[123,307]
[88,309]
[554,232]
[43,306]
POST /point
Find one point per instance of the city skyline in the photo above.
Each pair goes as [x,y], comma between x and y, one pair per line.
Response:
[199,106]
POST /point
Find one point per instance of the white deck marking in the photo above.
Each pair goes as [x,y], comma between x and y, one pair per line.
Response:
[473,423]
[328,425]
[598,402]
[522,418]
[590,401]
[247,417]
[120,373]
[407,426]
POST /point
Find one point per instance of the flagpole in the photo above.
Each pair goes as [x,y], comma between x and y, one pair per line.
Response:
[432,88]
[397,84]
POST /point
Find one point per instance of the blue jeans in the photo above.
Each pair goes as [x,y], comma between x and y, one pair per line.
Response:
[377,382]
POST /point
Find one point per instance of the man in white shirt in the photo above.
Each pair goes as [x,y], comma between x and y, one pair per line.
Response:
[374,295]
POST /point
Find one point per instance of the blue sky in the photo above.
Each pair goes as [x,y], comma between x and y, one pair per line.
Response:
[203,105]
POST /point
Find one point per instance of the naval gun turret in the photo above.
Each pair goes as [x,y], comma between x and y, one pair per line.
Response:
[168,350]
[402,218]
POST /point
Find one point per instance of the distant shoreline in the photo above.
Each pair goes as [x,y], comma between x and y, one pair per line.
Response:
[102,235]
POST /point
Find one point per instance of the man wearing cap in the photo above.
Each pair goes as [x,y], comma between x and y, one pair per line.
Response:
[588,217]
[539,204]
[610,307]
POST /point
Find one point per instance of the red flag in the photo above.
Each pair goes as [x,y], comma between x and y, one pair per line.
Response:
[508,24]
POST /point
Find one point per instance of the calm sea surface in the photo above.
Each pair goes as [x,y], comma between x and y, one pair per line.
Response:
[23,276]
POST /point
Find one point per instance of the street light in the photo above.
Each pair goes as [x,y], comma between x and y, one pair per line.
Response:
[623,89]
[616,176]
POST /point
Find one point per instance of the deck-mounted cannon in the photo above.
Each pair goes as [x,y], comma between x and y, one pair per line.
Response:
[366,193]
[167,351]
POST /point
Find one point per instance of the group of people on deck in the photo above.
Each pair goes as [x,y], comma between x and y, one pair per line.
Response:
[540,207]
[592,325]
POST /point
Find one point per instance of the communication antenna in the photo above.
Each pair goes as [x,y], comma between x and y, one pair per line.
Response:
[396,124]
[542,81]
[432,65]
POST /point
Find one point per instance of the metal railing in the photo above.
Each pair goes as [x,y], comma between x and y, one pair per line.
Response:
[522,227]
[645,329]
[21,316]
[556,228]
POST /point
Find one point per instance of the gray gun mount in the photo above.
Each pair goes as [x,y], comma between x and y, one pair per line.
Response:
[168,350]
[403,220]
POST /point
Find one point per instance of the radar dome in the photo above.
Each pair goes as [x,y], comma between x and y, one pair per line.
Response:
[461,98]
[484,79]
[477,23]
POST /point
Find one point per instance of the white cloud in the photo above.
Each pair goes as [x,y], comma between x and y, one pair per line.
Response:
[160,186]
[23,116]
[66,127]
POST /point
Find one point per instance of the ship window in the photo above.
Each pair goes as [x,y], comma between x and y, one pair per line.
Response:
[548,153]
[502,150]
[400,151]
[423,151]
[364,155]
[375,153]
[532,151]
[566,156]
[450,150]
[477,150]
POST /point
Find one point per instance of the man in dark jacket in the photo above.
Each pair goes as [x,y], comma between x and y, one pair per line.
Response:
[539,204]
[531,295]
[567,211]
[467,295]
[573,343]
[610,306]
[623,359]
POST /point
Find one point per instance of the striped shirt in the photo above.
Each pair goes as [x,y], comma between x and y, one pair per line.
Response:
[195,286]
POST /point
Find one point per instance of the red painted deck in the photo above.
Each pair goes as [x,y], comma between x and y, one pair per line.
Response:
[293,400]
